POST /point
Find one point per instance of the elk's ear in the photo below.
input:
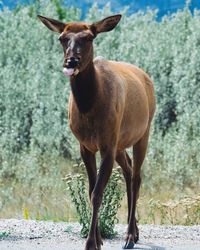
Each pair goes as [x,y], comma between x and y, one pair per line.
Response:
[106,24]
[52,24]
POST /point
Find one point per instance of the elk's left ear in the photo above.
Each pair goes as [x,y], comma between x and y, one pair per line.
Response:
[106,24]
[52,24]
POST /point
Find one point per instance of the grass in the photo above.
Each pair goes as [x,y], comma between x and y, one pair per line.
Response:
[151,208]
[164,209]
[42,198]
[40,201]
[49,205]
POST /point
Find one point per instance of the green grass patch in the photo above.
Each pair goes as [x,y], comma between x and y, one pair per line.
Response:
[4,235]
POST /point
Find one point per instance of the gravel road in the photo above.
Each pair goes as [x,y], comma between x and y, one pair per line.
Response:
[32,235]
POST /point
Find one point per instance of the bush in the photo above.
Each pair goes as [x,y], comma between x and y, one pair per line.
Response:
[110,203]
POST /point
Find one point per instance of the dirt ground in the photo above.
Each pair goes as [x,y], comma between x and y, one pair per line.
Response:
[31,235]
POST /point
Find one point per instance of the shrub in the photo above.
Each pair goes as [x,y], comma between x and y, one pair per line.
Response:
[110,204]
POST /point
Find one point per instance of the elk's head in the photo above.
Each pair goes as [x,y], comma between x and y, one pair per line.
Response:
[77,38]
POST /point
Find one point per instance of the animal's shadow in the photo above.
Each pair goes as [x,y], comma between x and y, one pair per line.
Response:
[141,245]
[147,246]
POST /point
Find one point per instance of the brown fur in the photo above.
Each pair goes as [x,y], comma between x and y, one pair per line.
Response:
[111,107]
[76,27]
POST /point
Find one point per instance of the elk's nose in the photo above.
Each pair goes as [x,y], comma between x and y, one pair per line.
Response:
[72,62]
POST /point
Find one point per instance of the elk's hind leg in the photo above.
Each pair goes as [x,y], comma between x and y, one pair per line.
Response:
[124,161]
[139,152]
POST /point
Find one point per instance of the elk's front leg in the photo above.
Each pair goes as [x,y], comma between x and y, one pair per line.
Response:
[90,164]
[97,194]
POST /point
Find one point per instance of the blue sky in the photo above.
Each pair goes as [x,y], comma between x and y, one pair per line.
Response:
[164,6]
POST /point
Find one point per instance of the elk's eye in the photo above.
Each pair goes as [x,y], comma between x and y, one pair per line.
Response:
[64,40]
[89,38]
[84,40]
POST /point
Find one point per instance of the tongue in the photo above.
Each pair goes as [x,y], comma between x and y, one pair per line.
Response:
[68,71]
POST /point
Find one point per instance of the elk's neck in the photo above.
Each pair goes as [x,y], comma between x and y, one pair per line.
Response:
[84,88]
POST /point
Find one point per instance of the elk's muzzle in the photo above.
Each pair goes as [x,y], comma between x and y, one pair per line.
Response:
[71,63]
[70,66]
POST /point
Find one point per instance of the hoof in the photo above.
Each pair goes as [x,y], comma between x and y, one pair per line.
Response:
[91,245]
[129,245]
[136,238]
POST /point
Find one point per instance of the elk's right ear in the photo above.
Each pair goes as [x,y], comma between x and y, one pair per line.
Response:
[106,24]
[52,24]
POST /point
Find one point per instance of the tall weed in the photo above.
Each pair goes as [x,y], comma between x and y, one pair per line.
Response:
[112,197]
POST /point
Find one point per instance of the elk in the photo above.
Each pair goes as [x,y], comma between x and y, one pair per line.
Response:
[111,106]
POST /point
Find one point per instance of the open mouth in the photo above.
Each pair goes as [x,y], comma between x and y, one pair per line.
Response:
[70,71]
[70,67]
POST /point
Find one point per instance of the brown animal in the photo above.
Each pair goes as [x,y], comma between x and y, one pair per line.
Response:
[111,107]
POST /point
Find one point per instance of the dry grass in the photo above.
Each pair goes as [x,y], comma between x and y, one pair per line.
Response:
[150,210]
[168,211]
[51,201]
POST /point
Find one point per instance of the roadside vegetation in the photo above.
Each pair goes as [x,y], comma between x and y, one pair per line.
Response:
[3,235]
[76,186]
[37,148]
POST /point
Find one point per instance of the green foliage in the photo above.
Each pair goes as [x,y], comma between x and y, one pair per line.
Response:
[33,95]
[77,190]
[111,203]
[3,235]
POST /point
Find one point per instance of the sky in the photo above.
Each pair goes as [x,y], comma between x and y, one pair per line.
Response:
[164,6]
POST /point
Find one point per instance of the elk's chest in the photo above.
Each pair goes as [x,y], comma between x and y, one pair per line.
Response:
[85,128]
